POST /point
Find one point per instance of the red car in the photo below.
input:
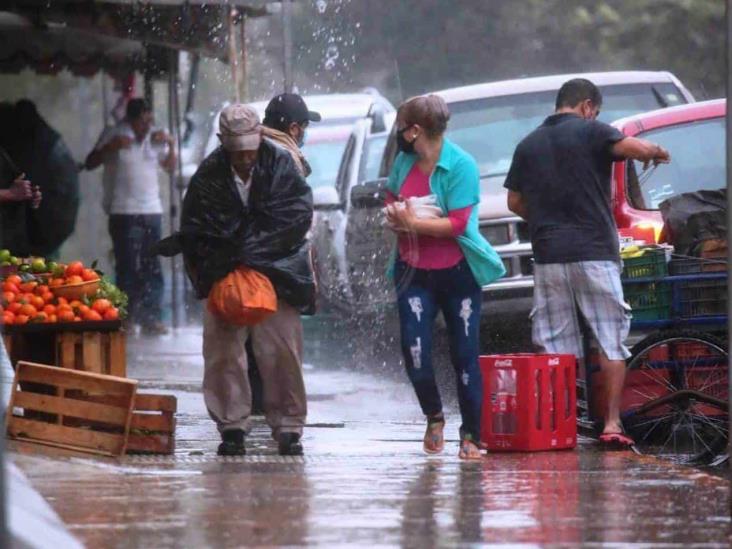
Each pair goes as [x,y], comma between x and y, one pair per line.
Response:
[694,134]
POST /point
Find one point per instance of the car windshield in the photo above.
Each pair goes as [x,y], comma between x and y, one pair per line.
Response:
[490,128]
[374,152]
[324,158]
[697,163]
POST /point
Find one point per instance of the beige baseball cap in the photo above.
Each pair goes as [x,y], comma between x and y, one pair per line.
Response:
[239,128]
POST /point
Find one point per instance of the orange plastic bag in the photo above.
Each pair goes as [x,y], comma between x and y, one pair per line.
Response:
[244,297]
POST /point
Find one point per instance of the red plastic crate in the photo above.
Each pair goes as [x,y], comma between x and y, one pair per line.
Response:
[529,402]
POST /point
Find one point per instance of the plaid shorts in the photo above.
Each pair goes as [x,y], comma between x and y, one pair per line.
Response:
[590,288]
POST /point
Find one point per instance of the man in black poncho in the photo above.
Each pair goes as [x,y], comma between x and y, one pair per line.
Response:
[248,205]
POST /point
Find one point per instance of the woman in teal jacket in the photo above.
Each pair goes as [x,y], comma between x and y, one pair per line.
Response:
[441,263]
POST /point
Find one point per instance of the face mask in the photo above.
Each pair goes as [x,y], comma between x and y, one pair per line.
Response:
[404,145]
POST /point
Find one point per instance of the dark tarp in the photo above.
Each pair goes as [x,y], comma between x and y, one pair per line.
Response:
[691,218]
[218,233]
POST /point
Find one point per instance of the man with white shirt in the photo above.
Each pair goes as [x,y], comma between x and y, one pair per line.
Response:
[131,154]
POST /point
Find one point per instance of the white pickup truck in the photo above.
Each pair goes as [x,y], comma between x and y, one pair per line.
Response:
[488,121]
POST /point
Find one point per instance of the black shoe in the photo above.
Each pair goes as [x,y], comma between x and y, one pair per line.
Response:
[290,445]
[232,443]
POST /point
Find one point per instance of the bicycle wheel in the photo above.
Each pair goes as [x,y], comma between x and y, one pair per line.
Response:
[675,403]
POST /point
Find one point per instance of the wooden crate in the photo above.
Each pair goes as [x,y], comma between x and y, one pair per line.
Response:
[70,409]
[96,352]
[152,430]
[97,347]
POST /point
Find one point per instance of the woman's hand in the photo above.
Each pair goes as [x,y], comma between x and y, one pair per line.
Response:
[401,219]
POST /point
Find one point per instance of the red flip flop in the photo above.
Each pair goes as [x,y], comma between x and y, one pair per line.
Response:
[617,440]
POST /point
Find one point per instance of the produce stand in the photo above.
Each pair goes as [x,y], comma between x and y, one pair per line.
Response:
[63,323]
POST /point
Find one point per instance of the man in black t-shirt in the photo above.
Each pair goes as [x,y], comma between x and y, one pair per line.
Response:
[560,182]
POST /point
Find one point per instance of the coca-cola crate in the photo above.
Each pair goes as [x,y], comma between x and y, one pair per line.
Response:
[529,402]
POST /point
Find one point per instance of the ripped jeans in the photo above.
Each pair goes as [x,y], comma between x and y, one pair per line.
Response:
[420,295]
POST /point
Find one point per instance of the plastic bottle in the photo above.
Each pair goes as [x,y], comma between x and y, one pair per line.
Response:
[504,401]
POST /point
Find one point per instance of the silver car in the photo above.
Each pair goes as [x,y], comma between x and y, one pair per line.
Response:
[488,121]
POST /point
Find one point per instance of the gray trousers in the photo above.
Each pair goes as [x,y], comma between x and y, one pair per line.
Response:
[277,345]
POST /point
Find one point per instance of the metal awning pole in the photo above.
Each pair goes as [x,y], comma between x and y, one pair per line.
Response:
[233,57]
[287,45]
[173,210]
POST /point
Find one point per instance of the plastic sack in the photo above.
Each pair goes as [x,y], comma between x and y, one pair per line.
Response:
[424,207]
[244,297]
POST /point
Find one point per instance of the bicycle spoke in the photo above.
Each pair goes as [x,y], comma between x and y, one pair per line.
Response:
[658,378]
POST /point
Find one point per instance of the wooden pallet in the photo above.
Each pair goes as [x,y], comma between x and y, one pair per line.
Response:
[66,408]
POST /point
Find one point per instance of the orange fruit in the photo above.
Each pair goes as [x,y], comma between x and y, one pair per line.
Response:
[111,314]
[10,287]
[56,282]
[62,301]
[75,303]
[40,317]
[8,317]
[42,289]
[101,305]
[89,274]
[92,315]
[28,310]
[65,315]
[25,298]
[8,297]
[38,302]
[21,319]
[28,286]
[82,309]
[47,297]
[52,319]
[14,307]
[77,319]
[74,279]
[75,268]
[49,310]
[14,279]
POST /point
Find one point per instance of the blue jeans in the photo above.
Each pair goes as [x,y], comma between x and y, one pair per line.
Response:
[137,272]
[420,295]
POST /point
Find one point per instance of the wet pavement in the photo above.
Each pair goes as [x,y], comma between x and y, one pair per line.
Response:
[364,480]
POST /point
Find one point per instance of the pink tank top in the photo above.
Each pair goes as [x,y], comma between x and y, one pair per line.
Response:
[429,252]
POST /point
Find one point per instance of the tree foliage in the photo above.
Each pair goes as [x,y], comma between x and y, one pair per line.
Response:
[412,46]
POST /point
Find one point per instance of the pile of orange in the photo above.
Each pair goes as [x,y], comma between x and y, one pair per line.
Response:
[22,302]
[73,273]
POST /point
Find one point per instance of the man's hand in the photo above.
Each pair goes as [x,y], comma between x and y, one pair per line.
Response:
[20,189]
[160,137]
[642,150]
[37,197]
[660,156]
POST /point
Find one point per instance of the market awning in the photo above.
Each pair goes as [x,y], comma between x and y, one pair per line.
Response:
[84,36]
